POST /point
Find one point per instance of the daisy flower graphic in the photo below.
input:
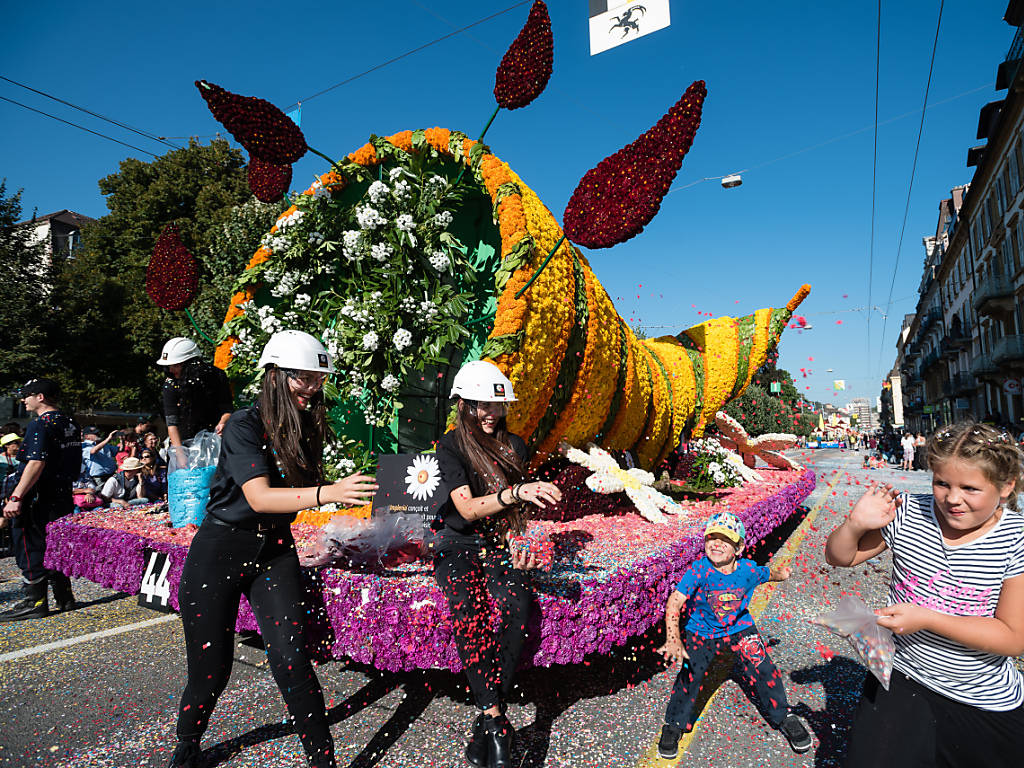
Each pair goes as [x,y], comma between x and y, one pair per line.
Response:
[423,477]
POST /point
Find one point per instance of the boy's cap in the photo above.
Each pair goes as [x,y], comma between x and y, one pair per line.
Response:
[727,524]
[48,388]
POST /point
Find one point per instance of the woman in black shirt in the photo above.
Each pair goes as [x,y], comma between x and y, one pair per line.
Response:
[270,468]
[483,466]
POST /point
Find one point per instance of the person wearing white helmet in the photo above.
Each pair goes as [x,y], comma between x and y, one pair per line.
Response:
[270,468]
[196,395]
[718,588]
[484,466]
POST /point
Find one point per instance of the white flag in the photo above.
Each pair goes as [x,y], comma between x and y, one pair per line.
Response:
[613,22]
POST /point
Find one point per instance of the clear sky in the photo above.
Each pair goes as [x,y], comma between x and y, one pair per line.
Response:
[791,89]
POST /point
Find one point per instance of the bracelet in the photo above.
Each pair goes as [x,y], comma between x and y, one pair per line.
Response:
[516,492]
[14,498]
[318,494]
[501,501]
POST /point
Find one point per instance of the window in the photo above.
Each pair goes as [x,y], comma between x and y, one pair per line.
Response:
[1020,237]
[999,200]
[1013,174]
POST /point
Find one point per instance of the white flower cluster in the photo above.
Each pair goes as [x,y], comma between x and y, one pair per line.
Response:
[370,341]
[389,384]
[443,219]
[319,191]
[405,222]
[402,190]
[377,192]
[381,251]
[354,313]
[439,260]
[350,244]
[302,302]
[316,238]
[290,220]
[401,339]
[268,321]
[287,283]
[395,174]
[369,218]
[276,243]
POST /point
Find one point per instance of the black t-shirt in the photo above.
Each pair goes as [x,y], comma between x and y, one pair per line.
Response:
[54,438]
[245,453]
[197,400]
[456,472]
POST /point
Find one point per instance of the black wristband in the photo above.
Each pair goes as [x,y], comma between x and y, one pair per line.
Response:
[502,501]
[318,494]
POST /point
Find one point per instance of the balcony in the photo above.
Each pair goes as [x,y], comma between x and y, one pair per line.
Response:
[994,296]
[947,388]
[934,315]
[983,365]
[1009,351]
[959,336]
[930,361]
[963,383]
[1008,69]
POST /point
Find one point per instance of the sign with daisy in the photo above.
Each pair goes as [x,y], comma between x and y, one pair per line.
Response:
[409,483]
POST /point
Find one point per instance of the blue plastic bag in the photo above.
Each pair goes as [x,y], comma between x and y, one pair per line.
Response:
[190,470]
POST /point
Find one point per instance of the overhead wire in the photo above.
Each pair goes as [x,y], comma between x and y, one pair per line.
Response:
[80,127]
[110,120]
[874,172]
[910,187]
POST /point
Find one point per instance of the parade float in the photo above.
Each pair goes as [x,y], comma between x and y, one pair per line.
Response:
[421,251]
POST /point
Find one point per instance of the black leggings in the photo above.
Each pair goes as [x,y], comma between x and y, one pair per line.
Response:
[222,564]
[467,573]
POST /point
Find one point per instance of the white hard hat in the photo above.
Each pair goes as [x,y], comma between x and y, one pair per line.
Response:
[178,350]
[296,350]
[483,381]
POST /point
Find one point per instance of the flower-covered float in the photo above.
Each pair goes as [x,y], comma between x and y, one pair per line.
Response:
[423,250]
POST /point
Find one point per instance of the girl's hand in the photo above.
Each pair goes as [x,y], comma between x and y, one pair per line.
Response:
[904,618]
[355,490]
[781,574]
[673,651]
[875,509]
[523,559]
[541,494]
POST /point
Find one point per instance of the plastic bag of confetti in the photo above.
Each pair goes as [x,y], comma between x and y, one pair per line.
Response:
[190,469]
[384,540]
[873,643]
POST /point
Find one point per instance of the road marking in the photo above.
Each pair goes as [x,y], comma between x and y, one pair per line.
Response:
[46,647]
[758,604]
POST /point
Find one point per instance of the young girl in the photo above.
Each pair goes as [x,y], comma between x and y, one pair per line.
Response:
[270,468]
[483,464]
[956,606]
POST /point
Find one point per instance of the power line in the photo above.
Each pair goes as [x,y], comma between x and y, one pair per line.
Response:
[76,125]
[89,112]
[874,170]
[417,49]
[913,170]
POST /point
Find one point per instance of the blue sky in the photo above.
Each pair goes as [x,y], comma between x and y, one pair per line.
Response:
[783,78]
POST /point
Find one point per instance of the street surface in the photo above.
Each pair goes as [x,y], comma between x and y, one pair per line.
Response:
[99,686]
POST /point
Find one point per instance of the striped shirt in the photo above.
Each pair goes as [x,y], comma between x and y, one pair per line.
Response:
[963,580]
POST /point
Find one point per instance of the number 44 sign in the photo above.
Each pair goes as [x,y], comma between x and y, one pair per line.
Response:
[156,589]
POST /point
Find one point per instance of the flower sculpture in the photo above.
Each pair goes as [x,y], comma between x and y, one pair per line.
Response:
[423,477]
[617,199]
[172,277]
[734,436]
[609,477]
[263,129]
[526,65]
[268,181]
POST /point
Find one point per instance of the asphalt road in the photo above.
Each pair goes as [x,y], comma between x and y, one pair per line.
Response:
[99,686]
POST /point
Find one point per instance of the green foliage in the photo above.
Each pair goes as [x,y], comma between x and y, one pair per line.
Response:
[761,411]
[24,298]
[111,330]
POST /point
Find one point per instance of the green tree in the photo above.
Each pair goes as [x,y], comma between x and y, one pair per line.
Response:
[112,330]
[25,277]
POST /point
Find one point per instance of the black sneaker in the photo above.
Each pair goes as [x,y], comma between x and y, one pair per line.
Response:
[668,744]
[185,756]
[797,736]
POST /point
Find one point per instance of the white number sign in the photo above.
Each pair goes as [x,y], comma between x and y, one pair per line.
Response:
[155,591]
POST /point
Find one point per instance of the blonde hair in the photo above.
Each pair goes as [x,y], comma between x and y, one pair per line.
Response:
[992,451]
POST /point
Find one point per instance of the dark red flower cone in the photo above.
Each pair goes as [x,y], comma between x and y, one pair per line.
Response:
[617,199]
[269,181]
[263,129]
[172,277]
[526,65]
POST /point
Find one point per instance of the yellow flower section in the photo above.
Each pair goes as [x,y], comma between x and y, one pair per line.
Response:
[761,343]
[659,422]
[636,396]
[596,380]
[676,361]
[718,339]
[322,518]
[548,320]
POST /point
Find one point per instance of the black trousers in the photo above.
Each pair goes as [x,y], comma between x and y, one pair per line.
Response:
[753,669]
[28,533]
[468,572]
[911,726]
[223,564]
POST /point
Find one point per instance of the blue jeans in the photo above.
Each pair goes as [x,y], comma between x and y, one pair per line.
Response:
[752,669]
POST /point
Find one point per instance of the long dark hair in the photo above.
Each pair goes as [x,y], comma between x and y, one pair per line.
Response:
[487,458]
[295,437]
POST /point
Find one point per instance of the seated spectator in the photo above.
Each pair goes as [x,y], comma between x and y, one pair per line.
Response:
[10,444]
[98,456]
[154,475]
[125,445]
[151,442]
[86,494]
[125,484]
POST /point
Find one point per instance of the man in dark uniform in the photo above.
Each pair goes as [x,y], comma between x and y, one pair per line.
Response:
[52,456]
[196,394]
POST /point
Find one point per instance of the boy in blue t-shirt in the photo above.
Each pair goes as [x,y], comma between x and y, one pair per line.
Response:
[718,588]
